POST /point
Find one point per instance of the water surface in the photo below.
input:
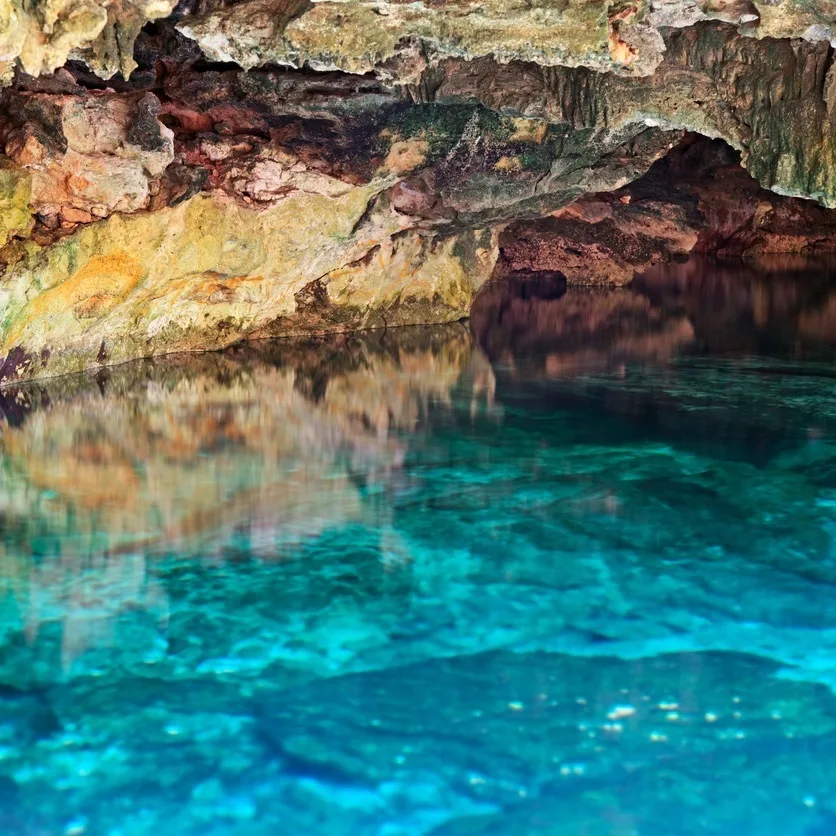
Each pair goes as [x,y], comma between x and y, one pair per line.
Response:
[566,569]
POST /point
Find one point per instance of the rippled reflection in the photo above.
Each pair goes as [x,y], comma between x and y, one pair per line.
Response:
[245,453]
[566,569]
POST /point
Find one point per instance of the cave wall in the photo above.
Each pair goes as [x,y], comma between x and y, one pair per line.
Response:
[181,178]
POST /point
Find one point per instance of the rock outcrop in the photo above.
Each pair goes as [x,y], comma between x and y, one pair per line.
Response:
[275,167]
[40,36]
[697,199]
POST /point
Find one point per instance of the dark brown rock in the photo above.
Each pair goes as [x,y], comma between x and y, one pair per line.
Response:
[696,199]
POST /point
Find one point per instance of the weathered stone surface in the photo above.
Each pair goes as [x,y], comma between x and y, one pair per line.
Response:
[712,81]
[795,19]
[15,196]
[696,199]
[477,166]
[209,272]
[420,131]
[360,37]
[396,39]
[40,36]
[88,155]
[386,217]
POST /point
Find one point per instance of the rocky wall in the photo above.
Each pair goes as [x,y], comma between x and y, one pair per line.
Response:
[179,179]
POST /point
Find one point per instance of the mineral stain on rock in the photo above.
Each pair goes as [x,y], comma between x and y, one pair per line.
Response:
[183,177]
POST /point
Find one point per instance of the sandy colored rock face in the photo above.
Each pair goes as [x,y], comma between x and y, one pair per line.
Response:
[358,37]
[396,38]
[357,167]
[15,197]
[208,272]
[361,37]
[41,36]
[397,224]
[95,163]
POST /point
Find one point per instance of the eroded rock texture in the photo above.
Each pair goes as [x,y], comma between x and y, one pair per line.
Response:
[275,167]
[697,199]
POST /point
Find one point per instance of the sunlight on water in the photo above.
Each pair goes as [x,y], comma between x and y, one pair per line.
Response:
[568,569]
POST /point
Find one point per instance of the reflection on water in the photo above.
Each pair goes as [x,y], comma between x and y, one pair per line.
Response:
[570,574]
[249,452]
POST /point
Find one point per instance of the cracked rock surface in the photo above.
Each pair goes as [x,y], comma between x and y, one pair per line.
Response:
[184,178]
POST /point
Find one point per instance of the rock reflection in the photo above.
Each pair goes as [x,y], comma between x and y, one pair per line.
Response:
[783,303]
[249,451]
[254,452]
[701,306]
[533,318]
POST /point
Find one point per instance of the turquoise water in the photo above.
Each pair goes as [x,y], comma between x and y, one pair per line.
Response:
[567,569]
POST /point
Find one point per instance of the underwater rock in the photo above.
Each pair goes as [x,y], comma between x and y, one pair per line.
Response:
[222,573]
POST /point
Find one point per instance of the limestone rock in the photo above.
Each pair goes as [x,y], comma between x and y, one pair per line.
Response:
[396,39]
[712,81]
[40,36]
[395,223]
[696,199]
[795,19]
[15,190]
[361,37]
[93,154]
[208,272]
[366,181]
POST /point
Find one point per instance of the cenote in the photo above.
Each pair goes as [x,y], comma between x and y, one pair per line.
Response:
[566,568]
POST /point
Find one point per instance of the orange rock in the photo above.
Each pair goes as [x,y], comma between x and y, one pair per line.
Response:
[75,216]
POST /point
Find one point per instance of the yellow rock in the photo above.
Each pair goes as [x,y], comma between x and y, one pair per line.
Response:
[210,272]
[791,18]
[41,36]
[360,37]
[15,192]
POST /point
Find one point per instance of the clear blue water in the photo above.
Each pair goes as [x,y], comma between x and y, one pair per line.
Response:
[568,569]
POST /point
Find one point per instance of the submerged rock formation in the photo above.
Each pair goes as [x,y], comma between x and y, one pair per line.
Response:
[244,560]
[275,167]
